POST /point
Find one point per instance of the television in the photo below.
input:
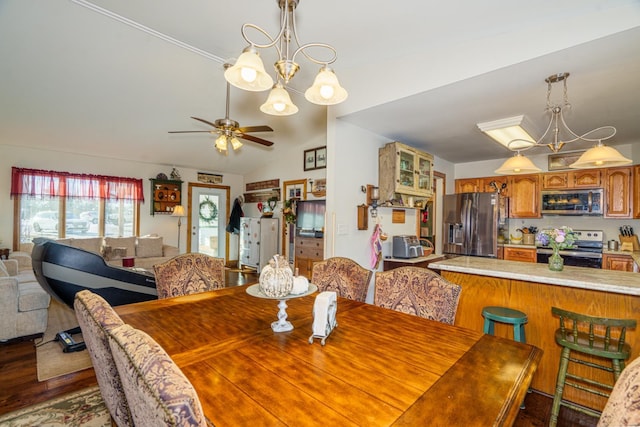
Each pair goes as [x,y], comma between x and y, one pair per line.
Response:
[310,216]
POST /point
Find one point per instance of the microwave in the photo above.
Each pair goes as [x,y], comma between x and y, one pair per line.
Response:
[573,202]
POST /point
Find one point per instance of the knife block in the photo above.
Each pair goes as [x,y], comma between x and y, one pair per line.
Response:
[631,243]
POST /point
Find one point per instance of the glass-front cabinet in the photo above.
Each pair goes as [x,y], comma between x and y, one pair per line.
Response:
[404,171]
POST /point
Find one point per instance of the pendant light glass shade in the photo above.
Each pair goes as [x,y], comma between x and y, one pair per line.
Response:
[248,72]
[600,156]
[326,89]
[279,102]
[517,164]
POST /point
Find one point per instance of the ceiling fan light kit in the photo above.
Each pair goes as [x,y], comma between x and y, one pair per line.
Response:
[248,72]
[229,130]
[558,134]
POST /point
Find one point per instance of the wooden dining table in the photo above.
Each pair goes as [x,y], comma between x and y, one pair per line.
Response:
[379,367]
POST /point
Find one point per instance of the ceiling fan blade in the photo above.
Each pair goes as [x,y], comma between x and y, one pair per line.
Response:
[263,128]
[191,131]
[255,139]
[204,121]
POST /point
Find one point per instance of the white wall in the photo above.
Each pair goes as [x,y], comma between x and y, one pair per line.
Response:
[163,225]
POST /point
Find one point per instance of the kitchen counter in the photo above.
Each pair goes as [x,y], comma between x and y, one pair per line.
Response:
[619,282]
[423,261]
[534,289]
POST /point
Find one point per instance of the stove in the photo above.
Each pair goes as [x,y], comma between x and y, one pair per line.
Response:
[587,250]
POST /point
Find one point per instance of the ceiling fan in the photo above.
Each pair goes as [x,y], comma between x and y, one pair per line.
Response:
[229,130]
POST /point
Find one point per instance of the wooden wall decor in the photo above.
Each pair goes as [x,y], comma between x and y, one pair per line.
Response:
[263,185]
[398,216]
[261,196]
[363,217]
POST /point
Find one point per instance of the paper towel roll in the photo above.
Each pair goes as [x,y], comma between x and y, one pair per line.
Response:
[324,313]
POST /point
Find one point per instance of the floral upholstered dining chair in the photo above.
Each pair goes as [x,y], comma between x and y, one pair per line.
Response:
[623,406]
[189,274]
[418,291]
[158,392]
[342,275]
[96,318]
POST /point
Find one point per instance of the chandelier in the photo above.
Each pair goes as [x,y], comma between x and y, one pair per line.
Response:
[248,72]
[555,137]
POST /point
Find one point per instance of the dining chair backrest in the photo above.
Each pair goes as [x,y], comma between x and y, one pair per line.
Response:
[417,291]
[623,406]
[342,275]
[189,274]
[96,319]
[159,394]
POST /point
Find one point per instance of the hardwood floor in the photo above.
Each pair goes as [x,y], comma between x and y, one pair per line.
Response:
[20,387]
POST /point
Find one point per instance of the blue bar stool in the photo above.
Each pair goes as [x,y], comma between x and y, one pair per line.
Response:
[508,316]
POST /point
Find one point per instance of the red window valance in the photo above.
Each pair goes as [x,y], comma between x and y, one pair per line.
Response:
[36,182]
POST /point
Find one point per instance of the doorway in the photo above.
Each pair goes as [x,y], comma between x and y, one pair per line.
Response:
[207,220]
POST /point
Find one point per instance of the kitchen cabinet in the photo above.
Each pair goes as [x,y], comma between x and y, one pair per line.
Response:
[587,178]
[524,200]
[481,185]
[636,185]
[520,254]
[404,171]
[617,262]
[308,250]
[618,192]
[167,194]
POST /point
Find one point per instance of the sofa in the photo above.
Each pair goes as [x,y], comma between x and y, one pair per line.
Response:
[23,303]
[142,252]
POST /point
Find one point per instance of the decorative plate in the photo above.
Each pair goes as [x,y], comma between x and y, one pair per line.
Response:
[161,176]
[254,291]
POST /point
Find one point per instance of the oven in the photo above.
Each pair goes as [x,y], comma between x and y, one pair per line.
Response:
[587,250]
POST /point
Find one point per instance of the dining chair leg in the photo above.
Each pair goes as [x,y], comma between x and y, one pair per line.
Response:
[557,398]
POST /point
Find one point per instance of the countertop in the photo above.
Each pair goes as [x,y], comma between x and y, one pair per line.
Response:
[620,282]
[415,260]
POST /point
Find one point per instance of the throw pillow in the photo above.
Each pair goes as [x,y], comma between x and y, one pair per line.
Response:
[91,244]
[122,242]
[3,270]
[149,247]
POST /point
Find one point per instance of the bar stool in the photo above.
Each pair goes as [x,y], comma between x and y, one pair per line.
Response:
[505,315]
[592,336]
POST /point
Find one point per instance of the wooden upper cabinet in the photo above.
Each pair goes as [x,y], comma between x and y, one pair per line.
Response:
[618,191]
[555,180]
[636,197]
[404,170]
[467,185]
[481,185]
[586,178]
[524,200]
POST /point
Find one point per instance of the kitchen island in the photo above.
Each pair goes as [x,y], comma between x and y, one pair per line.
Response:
[534,289]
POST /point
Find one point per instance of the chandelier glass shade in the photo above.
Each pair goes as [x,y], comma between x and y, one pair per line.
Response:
[558,134]
[517,164]
[248,72]
[279,102]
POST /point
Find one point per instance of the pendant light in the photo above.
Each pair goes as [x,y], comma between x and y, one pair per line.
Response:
[516,165]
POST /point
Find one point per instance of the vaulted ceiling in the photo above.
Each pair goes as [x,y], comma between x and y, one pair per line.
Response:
[78,76]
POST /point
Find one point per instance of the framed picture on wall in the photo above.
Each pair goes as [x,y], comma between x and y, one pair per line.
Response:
[316,158]
[321,157]
[309,159]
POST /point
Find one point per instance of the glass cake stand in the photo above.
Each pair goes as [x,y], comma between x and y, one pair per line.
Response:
[282,324]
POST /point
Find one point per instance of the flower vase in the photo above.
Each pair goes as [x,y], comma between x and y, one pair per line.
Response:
[556,263]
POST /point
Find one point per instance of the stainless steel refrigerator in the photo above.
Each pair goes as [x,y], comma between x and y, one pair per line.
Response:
[471,223]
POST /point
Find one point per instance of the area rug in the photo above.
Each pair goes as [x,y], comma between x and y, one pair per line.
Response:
[51,361]
[81,408]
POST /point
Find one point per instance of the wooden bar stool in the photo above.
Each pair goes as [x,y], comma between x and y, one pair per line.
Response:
[508,316]
[594,336]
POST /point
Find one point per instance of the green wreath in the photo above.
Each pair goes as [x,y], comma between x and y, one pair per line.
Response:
[208,211]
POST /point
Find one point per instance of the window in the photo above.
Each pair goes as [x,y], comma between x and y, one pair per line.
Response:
[60,204]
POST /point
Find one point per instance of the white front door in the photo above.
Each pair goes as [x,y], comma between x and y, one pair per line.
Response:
[208,220]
